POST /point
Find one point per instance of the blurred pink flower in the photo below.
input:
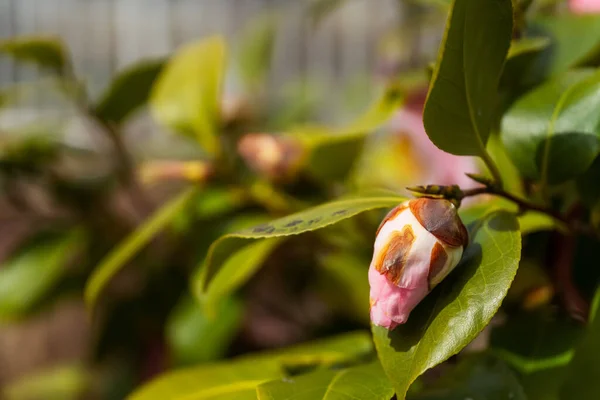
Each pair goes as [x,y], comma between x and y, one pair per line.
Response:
[584,6]
[417,245]
[432,165]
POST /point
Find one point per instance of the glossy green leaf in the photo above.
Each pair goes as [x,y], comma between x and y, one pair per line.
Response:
[63,382]
[194,337]
[235,271]
[238,378]
[129,247]
[128,91]
[256,49]
[458,308]
[28,275]
[295,224]
[187,95]
[583,371]
[575,38]
[365,382]
[46,52]
[463,94]
[479,377]
[551,133]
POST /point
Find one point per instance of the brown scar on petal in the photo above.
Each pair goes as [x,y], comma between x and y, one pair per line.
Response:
[391,215]
[438,259]
[393,257]
[439,217]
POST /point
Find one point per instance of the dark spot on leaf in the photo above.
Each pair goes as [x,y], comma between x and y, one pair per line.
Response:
[340,212]
[264,228]
[313,221]
[293,223]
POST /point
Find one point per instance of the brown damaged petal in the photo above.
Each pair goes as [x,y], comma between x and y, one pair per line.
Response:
[439,257]
[439,217]
[392,215]
[394,256]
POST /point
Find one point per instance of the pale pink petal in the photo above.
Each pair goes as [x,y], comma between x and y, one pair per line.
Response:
[584,6]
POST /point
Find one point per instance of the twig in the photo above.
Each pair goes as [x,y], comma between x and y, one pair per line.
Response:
[574,226]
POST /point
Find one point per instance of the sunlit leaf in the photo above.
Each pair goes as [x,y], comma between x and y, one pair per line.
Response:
[295,224]
[458,308]
[365,382]
[552,133]
[462,96]
[28,275]
[127,249]
[46,52]
[194,337]
[238,378]
[235,271]
[128,91]
[187,94]
[63,382]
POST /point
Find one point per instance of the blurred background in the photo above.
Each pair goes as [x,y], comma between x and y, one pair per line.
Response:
[87,175]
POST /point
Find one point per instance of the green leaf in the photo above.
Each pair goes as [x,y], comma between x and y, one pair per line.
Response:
[535,341]
[333,152]
[575,38]
[552,133]
[295,224]
[187,94]
[227,380]
[527,45]
[476,377]
[582,375]
[463,94]
[342,283]
[587,184]
[458,308]
[365,382]
[28,275]
[46,52]
[125,251]
[539,345]
[64,382]
[128,91]
[238,378]
[256,49]
[235,271]
[193,337]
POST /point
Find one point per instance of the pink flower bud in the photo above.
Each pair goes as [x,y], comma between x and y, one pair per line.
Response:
[417,245]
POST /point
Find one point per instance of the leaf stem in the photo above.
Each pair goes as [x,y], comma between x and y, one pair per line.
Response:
[489,162]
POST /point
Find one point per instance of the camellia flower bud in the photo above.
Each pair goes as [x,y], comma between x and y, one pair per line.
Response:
[417,245]
[275,157]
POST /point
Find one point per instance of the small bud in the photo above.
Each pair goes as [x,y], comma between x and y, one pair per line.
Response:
[192,171]
[275,157]
[417,245]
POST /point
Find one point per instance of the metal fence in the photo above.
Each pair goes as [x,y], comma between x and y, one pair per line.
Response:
[105,35]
